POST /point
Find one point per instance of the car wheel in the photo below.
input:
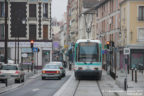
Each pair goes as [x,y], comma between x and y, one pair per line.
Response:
[23,79]
[59,78]
[43,78]
[19,81]
[64,75]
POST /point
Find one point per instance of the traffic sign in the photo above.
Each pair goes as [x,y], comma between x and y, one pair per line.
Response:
[35,49]
[126,51]
[24,55]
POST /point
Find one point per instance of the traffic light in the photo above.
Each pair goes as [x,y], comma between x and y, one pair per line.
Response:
[112,43]
[46,53]
[32,42]
[107,44]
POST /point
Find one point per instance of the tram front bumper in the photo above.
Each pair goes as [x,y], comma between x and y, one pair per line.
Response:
[88,73]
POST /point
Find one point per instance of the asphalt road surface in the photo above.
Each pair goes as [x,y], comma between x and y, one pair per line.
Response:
[37,87]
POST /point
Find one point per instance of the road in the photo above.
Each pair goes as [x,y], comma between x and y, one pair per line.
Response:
[37,87]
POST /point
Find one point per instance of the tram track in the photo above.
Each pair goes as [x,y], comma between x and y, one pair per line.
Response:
[76,88]
[99,88]
[78,85]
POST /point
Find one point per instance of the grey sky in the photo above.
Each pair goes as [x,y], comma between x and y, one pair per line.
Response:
[58,8]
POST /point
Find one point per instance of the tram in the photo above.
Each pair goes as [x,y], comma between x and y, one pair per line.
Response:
[88,59]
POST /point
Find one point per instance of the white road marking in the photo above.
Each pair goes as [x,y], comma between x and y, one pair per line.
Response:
[36,89]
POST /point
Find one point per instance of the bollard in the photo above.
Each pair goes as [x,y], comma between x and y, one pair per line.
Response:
[135,75]
[125,84]
[132,74]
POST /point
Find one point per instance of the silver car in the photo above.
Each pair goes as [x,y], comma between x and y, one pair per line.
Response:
[51,70]
[60,64]
[13,71]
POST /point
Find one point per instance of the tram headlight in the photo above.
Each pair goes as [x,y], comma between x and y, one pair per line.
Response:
[96,68]
[80,68]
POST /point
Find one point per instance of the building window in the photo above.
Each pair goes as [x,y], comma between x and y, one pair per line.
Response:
[45,32]
[1,9]
[141,13]
[32,10]
[45,10]
[32,32]
[141,34]
[1,31]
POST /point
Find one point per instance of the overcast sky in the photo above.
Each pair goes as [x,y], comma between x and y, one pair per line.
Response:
[58,8]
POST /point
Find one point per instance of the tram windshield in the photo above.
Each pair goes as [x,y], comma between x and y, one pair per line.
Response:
[88,52]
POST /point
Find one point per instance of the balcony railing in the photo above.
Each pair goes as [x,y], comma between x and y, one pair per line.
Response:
[32,18]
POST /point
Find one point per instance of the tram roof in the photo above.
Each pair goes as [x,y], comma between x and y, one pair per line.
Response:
[88,40]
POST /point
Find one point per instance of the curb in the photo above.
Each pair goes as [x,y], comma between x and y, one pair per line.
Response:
[61,90]
[10,88]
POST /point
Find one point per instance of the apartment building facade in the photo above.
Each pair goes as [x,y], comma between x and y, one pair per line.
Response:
[27,20]
[132,30]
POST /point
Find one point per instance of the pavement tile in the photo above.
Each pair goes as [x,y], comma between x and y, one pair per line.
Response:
[134,89]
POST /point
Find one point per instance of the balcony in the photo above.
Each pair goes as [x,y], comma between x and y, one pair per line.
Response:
[2,18]
[32,19]
[45,19]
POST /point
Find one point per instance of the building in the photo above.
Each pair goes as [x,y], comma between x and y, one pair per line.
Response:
[132,31]
[27,20]
[72,19]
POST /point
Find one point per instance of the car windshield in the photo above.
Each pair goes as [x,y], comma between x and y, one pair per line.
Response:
[51,67]
[9,67]
[59,64]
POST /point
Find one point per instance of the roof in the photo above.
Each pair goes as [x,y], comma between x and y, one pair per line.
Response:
[89,3]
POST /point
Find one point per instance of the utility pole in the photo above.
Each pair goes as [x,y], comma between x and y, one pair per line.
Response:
[32,67]
[18,49]
[15,50]
[6,31]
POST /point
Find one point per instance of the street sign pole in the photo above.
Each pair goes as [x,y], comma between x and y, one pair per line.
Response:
[126,53]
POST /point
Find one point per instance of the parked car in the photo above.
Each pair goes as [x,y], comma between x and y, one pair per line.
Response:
[61,66]
[10,61]
[51,70]
[13,70]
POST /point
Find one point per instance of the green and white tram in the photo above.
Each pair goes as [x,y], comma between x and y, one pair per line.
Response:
[88,59]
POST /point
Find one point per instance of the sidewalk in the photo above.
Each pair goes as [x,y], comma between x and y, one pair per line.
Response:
[136,88]
[28,75]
